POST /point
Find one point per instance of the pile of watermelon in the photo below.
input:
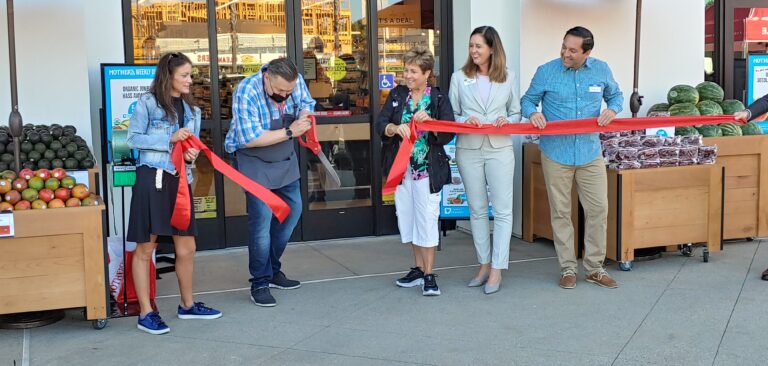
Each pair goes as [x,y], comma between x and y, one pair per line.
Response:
[706,99]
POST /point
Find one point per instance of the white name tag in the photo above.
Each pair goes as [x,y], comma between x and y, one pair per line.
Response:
[469,81]
[595,89]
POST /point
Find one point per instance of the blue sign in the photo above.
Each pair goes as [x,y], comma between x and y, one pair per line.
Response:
[121,86]
[386,81]
[453,199]
[757,77]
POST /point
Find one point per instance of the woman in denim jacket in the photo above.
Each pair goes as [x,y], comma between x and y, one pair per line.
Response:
[161,118]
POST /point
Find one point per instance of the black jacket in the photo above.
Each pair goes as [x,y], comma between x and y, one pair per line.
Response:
[759,107]
[392,112]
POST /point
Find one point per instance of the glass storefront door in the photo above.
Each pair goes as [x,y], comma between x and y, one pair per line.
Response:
[342,47]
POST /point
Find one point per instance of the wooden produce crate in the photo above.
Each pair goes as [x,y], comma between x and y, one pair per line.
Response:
[660,207]
[56,260]
[537,221]
[745,159]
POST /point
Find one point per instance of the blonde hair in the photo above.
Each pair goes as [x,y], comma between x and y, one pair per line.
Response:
[497,72]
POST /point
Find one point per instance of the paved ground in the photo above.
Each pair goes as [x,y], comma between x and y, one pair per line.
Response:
[671,311]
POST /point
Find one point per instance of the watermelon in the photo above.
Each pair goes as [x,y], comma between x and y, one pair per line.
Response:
[710,91]
[682,94]
[730,129]
[658,107]
[731,106]
[686,131]
[710,131]
[751,128]
[709,108]
[684,109]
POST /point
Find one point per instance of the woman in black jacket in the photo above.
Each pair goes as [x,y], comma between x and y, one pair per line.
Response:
[758,108]
[417,198]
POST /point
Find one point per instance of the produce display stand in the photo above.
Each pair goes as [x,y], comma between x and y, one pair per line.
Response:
[745,207]
[536,217]
[56,260]
[660,207]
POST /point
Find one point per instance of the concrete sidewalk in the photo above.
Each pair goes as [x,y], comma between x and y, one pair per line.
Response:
[671,311]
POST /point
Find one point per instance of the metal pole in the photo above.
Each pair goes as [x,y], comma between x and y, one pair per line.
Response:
[636,100]
[15,121]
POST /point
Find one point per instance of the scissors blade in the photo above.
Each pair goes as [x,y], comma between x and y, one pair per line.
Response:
[335,180]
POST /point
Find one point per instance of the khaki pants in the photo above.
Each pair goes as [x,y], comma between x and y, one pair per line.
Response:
[592,186]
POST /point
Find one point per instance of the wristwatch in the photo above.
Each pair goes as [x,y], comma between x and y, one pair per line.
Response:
[289,133]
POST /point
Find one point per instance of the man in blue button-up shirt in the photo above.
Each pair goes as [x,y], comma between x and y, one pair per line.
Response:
[572,87]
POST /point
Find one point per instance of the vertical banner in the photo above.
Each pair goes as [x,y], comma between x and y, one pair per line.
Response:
[122,85]
[453,199]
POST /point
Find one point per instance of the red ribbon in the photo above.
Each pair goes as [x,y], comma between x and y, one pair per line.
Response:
[182,211]
[566,127]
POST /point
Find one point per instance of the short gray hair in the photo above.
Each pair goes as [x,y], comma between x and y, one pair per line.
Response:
[283,68]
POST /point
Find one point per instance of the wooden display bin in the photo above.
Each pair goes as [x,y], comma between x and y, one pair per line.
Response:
[745,207]
[56,260]
[536,217]
[660,207]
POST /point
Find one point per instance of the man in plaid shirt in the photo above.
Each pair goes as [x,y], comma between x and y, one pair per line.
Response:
[269,109]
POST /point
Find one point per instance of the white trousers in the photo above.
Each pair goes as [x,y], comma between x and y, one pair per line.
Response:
[418,212]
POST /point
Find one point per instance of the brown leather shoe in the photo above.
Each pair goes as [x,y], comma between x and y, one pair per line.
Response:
[568,279]
[602,279]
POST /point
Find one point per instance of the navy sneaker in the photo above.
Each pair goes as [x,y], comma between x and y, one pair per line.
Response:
[280,281]
[153,324]
[198,311]
[430,286]
[414,278]
[262,297]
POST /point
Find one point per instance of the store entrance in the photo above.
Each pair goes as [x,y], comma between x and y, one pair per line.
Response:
[745,37]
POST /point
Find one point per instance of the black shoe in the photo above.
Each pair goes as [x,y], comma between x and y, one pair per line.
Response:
[280,281]
[414,278]
[430,286]
[262,297]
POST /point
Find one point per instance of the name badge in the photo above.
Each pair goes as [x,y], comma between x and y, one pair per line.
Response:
[469,81]
[595,88]
[394,103]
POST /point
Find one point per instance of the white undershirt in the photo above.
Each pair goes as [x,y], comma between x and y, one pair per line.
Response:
[484,87]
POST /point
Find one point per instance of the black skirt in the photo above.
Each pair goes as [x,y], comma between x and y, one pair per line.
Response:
[151,210]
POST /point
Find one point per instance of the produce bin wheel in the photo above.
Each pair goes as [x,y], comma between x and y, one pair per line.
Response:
[706,256]
[687,250]
[625,266]
[99,324]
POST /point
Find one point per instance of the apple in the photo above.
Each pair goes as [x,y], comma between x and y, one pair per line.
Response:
[22,205]
[27,173]
[80,191]
[13,197]
[59,173]
[20,184]
[62,193]
[43,173]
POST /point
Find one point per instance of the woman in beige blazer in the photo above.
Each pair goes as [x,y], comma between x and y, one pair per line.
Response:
[485,92]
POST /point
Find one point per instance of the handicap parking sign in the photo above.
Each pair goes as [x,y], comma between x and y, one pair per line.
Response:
[386,81]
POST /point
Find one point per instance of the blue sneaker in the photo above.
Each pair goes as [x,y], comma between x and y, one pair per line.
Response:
[198,311]
[153,324]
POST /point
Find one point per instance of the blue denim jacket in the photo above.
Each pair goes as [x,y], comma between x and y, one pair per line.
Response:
[150,132]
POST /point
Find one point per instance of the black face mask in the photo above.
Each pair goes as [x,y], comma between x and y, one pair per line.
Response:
[277,98]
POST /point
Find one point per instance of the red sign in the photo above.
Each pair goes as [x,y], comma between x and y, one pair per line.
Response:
[756,25]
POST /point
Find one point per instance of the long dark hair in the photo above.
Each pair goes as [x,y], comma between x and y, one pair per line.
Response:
[163,83]
[497,70]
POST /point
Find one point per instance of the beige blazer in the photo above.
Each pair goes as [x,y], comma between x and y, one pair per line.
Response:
[503,101]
